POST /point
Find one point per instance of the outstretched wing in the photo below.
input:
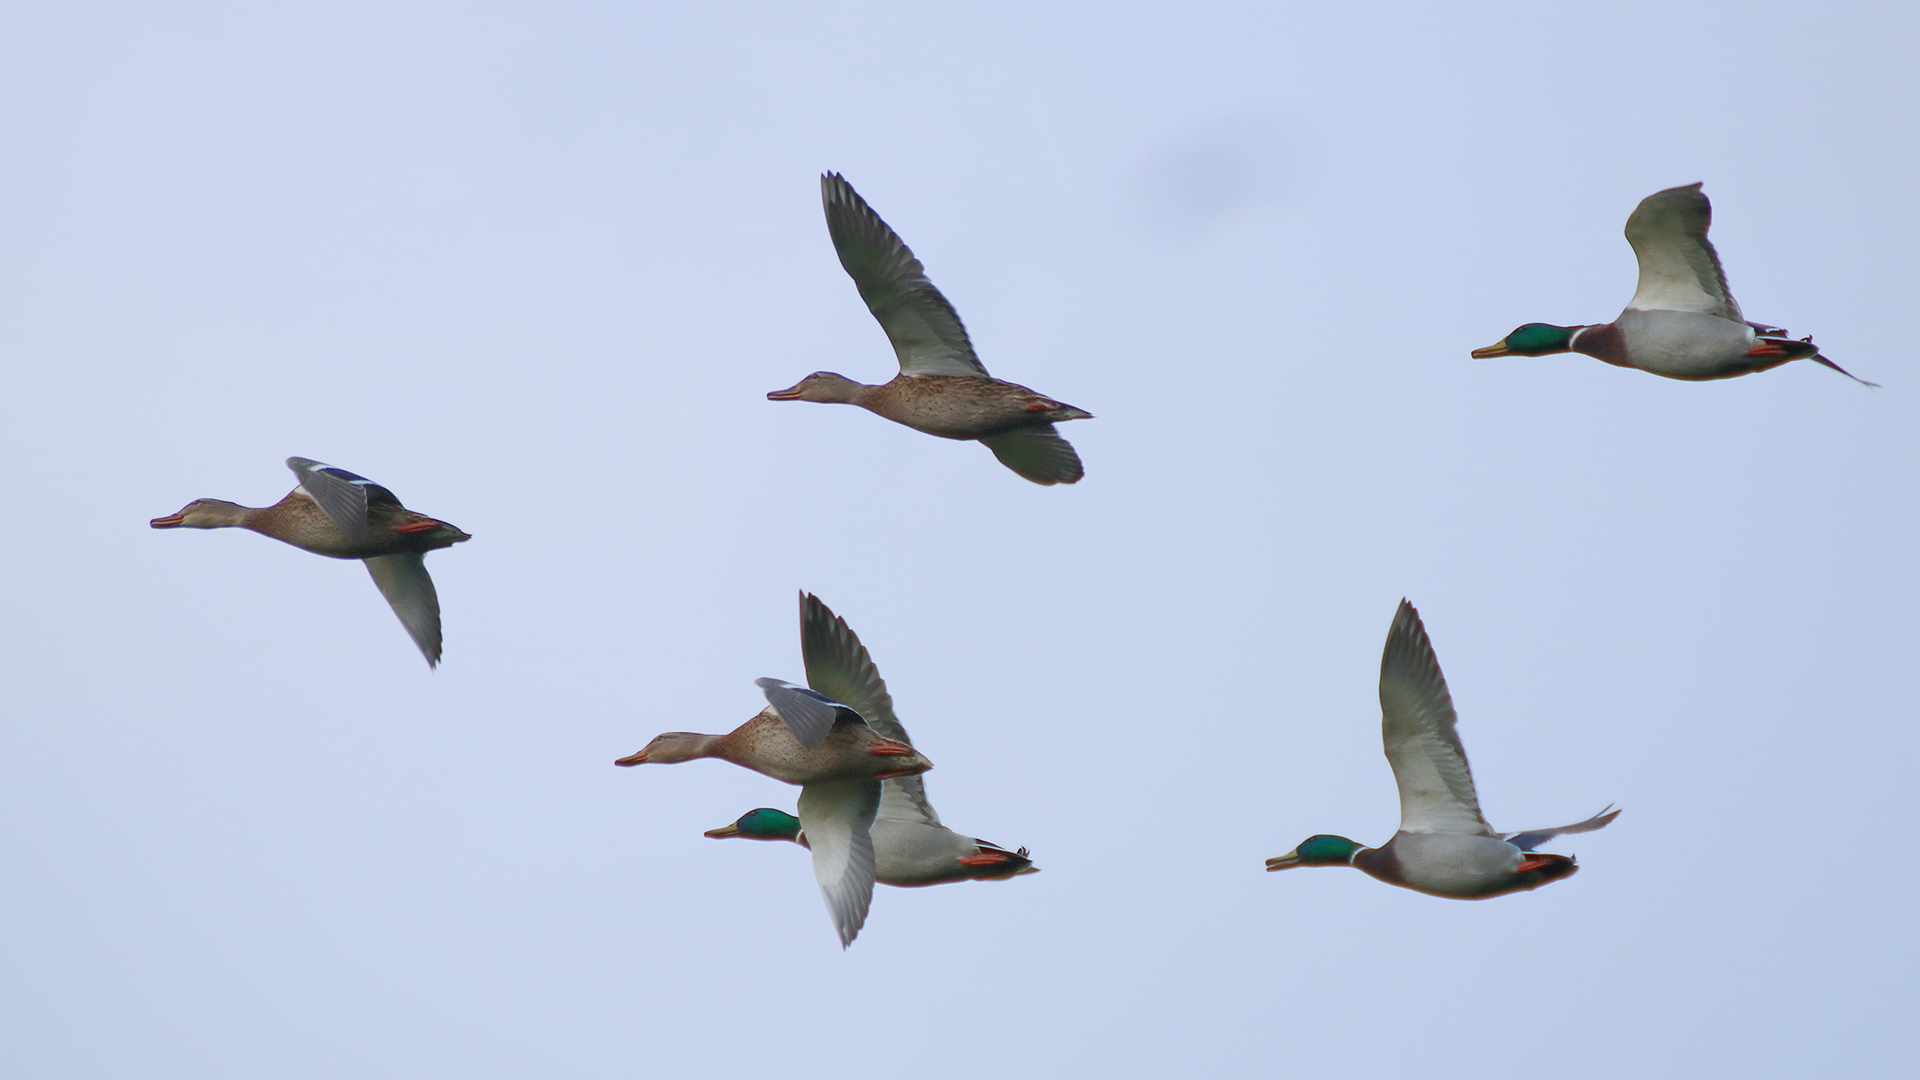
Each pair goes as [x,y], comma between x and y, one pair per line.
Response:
[1532,838]
[838,666]
[809,715]
[1037,453]
[1679,270]
[837,818]
[926,332]
[404,582]
[1417,726]
[343,495]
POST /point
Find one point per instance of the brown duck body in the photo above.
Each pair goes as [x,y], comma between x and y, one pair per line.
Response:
[850,751]
[955,406]
[346,516]
[298,520]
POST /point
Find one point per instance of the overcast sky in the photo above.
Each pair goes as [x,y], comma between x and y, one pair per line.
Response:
[534,267]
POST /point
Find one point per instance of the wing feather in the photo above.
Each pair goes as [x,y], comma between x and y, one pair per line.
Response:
[1679,270]
[837,819]
[343,495]
[409,591]
[839,667]
[1037,453]
[1418,727]
[1528,840]
[927,335]
[808,714]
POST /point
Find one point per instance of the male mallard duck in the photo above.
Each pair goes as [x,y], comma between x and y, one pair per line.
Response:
[1444,846]
[804,737]
[942,388]
[335,513]
[910,845]
[1682,321]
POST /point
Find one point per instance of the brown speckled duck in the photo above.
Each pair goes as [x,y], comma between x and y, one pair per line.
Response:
[338,514]
[911,847]
[804,737]
[942,388]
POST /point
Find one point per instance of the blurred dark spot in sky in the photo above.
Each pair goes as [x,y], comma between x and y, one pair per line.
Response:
[1209,172]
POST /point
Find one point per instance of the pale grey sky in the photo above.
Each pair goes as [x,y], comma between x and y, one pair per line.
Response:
[534,267]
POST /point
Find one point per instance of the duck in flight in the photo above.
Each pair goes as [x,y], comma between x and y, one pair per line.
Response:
[1445,846]
[839,761]
[1682,322]
[942,388]
[911,847]
[342,515]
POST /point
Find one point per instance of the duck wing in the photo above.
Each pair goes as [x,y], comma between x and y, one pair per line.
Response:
[345,497]
[926,332]
[1679,270]
[1418,727]
[808,713]
[836,817]
[839,667]
[1037,453]
[409,591]
[1532,838]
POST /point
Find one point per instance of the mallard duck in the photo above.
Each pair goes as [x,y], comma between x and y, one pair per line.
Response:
[1682,322]
[804,737]
[942,388]
[1444,846]
[911,847]
[342,515]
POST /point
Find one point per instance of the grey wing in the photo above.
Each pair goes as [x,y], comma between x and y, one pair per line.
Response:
[837,819]
[926,332]
[343,495]
[1679,270]
[404,582]
[1418,728]
[1527,841]
[1037,453]
[809,715]
[839,667]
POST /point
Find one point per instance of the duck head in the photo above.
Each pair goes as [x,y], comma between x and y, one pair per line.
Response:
[671,748]
[202,514]
[1322,850]
[820,386]
[762,824]
[1533,339]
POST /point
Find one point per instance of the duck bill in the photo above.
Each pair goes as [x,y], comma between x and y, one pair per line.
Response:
[1498,348]
[633,759]
[791,393]
[1285,862]
[171,521]
[724,831]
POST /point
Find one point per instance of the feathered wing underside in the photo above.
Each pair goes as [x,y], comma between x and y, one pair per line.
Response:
[1679,270]
[926,332]
[344,496]
[1423,746]
[807,713]
[1527,841]
[839,667]
[404,582]
[1037,453]
[837,819]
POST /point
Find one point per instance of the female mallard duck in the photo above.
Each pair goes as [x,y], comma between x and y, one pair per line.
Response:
[335,513]
[1682,322]
[942,388]
[804,737]
[1444,846]
[911,847]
